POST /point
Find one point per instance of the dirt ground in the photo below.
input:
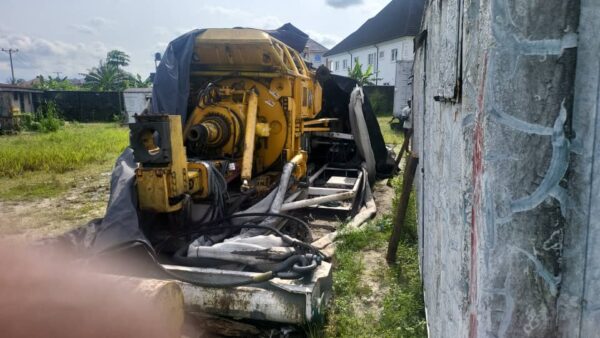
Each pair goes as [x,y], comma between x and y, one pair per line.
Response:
[34,219]
[374,260]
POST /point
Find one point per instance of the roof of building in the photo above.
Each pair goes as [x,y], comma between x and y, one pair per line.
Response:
[314,46]
[14,88]
[398,19]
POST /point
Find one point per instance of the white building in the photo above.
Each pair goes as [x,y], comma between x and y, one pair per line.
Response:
[313,53]
[381,42]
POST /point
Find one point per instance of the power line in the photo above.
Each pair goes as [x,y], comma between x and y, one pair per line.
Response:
[10,52]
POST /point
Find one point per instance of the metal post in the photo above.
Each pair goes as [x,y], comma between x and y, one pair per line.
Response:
[10,52]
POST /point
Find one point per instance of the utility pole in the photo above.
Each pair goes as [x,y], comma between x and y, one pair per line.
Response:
[10,52]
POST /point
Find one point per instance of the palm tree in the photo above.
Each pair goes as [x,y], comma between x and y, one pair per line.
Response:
[117,58]
[106,77]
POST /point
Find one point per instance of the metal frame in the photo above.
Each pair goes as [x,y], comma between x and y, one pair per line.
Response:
[324,194]
[278,300]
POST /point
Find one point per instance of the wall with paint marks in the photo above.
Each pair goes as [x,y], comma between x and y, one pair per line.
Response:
[500,189]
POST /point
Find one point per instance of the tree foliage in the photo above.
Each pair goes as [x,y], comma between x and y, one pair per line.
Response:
[106,77]
[54,83]
[109,76]
[117,58]
[363,78]
[137,82]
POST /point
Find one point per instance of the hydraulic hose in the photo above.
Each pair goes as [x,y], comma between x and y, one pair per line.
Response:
[259,278]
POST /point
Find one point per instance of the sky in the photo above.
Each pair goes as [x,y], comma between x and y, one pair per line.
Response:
[71,37]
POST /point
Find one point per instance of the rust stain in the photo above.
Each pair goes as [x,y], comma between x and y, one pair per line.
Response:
[477,174]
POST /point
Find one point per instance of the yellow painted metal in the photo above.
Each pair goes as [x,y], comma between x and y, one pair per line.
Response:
[262,99]
[226,112]
[157,186]
[233,107]
[198,180]
[300,161]
[249,142]
[262,129]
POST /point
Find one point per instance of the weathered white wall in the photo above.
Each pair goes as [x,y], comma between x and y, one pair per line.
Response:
[384,67]
[494,182]
[403,85]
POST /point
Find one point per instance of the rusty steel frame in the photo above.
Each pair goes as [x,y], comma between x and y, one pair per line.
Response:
[278,300]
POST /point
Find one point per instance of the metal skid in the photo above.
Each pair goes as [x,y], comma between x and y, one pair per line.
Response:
[278,300]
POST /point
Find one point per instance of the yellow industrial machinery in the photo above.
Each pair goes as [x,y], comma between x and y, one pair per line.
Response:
[252,100]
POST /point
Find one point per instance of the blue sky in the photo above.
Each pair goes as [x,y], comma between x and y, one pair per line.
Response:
[72,36]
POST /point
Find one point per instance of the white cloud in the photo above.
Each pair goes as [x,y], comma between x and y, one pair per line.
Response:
[225,11]
[343,3]
[99,21]
[248,18]
[266,22]
[327,40]
[92,26]
[83,28]
[42,56]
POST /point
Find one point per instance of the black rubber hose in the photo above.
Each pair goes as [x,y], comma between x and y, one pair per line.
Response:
[261,277]
[257,214]
[213,225]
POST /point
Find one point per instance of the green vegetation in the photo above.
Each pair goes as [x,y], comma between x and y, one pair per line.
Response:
[402,313]
[54,83]
[39,165]
[381,102]
[107,76]
[362,275]
[46,119]
[70,148]
[390,135]
[363,78]
[110,76]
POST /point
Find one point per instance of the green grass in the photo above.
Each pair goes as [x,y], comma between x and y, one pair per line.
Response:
[389,135]
[403,310]
[41,165]
[72,147]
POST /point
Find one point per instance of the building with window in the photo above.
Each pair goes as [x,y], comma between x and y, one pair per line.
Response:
[14,101]
[313,53]
[382,42]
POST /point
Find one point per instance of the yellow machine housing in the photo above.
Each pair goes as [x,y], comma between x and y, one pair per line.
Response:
[253,100]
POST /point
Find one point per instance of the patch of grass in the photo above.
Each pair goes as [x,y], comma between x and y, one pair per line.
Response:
[36,166]
[29,190]
[390,136]
[69,148]
[31,186]
[403,313]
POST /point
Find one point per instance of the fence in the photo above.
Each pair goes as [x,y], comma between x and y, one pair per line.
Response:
[85,106]
[381,98]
